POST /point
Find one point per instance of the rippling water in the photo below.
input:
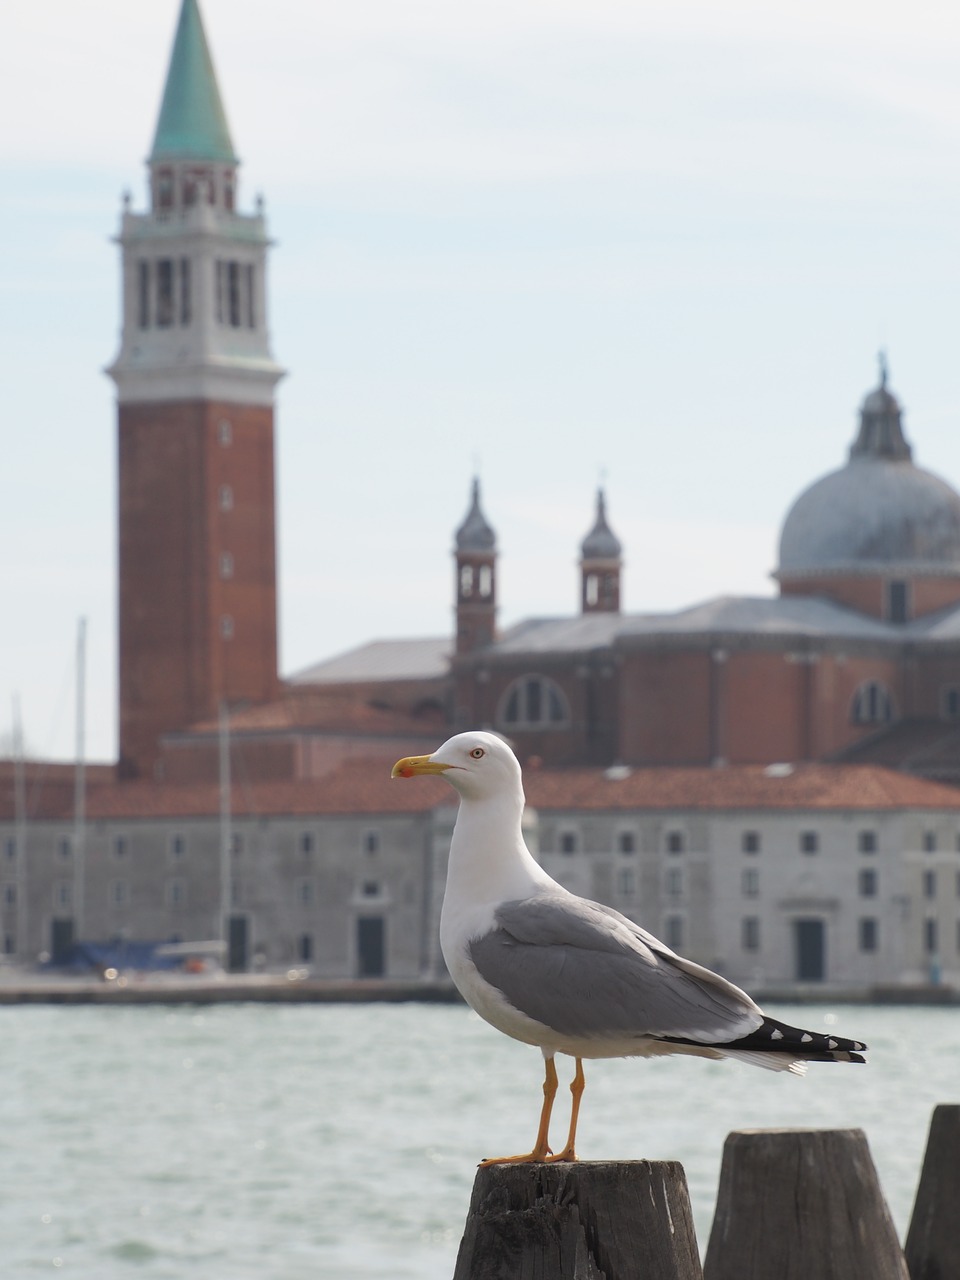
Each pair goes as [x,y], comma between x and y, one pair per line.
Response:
[340,1141]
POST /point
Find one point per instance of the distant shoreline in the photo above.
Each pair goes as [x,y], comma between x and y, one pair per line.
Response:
[169,989]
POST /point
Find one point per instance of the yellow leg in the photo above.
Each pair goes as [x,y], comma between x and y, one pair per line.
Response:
[577,1086]
[541,1148]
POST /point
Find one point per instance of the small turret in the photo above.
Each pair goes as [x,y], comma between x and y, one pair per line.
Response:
[600,565]
[476,586]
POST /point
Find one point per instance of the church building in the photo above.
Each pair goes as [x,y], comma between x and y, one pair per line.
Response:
[735,775]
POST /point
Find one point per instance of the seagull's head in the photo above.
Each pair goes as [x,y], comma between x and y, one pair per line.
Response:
[479,765]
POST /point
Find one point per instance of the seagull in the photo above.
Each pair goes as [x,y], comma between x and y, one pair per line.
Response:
[572,976]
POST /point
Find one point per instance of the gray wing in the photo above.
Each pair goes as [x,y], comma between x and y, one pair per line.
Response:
[583,969]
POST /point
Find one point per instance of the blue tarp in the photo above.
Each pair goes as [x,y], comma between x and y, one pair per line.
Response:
[117,955]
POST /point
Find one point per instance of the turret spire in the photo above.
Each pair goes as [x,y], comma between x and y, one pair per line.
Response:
[192,123]
[600,565]
[881,430]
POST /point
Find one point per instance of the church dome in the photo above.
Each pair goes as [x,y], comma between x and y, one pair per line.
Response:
[475,534]
[601,543]
[879,514]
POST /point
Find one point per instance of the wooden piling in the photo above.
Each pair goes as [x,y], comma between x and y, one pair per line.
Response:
[590,1220]
[800,1203]
[933,1241]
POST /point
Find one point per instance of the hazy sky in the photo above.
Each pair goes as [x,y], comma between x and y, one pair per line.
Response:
[549,239]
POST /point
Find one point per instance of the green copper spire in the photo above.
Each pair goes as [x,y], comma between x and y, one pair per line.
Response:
[192,124]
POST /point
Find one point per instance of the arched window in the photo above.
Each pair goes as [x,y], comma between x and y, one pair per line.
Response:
[534,702]
[871,704]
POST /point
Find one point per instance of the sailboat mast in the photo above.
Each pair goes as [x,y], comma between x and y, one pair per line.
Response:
[20,830]
[226,832]
[80,785]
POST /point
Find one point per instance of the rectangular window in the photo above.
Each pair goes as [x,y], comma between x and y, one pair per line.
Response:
[221,291]
[226,565]
[867,881]
[929,884]
[251,309]
[164,293]
[178,844]
[10,848]
[64,847]
[236,843]
[233,294]
[176,893]
[627,842]
[143,294]
[674,882]
[118,893]
[371,888]
[750,933]
[674,932]
[568,842]
[625,880]
[809,842]
[186,300]
[867,842]
[750,882]
[306,842]
[897,601]
[750,842]
[929,842]
[930,935]
[120,846]
[371,842]
[675,842]
[868,933]
[10,895]
[305,947]
[305,892]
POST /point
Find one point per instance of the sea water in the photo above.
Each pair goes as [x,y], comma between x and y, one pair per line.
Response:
[314,1141]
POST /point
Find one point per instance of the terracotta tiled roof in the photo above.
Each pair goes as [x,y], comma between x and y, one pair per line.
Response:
[361,786]
[358,786]
[807,786]
[309,710]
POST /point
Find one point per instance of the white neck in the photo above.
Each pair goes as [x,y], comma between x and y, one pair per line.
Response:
[489,861]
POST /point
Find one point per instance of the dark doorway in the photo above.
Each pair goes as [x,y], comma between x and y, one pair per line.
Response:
[810,950]
[371,949]
[61,941]
[237,944]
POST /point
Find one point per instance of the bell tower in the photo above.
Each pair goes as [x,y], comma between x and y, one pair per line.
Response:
[476,586]
[600,565]
[195,384]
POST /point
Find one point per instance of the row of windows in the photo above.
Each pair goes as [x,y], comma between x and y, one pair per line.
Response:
[118,894]
[476,580]
[750,842]
[165,293]
[535,701]
[197,186]
[177,844]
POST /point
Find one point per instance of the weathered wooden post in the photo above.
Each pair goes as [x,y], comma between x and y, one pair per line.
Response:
[933,1241]
[800,1203]
[593,1220]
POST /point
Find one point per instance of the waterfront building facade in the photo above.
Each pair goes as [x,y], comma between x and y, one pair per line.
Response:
[813,876]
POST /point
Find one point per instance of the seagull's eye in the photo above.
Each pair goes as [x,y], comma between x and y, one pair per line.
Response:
[478,753]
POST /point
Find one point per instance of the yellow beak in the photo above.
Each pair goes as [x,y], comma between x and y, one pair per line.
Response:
[417,766]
